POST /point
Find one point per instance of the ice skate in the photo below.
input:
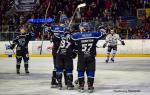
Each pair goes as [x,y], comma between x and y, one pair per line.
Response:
[90,89]
[54,84]
[27,71]
[18,71]
[81,88]
[106,60]
[112,60]
[60,86]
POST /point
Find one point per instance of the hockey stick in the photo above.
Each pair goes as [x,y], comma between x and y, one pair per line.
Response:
[78,7]
[44,28]
[10,43]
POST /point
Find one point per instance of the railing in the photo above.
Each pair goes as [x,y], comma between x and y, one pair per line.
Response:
[9,31]
[6,36]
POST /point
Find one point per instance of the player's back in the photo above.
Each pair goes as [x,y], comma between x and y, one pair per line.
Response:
[66,46]
[86,42]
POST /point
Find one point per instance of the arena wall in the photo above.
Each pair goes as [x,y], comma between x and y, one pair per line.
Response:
[133,48]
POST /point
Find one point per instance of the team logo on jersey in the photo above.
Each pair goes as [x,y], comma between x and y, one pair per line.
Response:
[22,41]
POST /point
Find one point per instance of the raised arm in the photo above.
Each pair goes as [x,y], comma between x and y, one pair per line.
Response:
[14,43]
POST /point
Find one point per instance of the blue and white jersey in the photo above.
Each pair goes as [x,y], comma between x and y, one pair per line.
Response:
[57,30]
[86,42]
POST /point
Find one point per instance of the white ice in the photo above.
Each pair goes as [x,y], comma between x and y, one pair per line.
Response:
[127,76]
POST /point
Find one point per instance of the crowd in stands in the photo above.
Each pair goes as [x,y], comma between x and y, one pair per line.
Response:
[96,10]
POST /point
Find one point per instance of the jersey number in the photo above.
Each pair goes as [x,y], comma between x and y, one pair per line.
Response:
[64,44]
[86,47]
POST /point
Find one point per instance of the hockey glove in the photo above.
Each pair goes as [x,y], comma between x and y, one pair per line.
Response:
[104,45]
[122,42]
[74,54]
[10,46]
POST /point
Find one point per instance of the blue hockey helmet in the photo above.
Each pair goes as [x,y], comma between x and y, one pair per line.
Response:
[63,18]
[84,25]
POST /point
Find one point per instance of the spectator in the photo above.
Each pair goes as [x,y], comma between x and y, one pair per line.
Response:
[99,10]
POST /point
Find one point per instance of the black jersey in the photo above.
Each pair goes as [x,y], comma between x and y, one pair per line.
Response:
[66,46]
[22,41]
[86,43]
[56,41]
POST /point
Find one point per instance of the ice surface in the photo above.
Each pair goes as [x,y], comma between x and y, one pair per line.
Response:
[127,76]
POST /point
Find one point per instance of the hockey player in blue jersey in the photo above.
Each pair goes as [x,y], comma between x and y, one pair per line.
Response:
[63,56]
[64,60]
[56,31]
[86,41]
[22,41]
[56,34]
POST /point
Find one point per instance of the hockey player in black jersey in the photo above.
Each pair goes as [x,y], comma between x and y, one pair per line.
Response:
[54,34]
[64,60]
[22,41]
[86,41]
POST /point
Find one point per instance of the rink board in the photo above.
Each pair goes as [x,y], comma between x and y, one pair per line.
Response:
[98,55]
[133,48]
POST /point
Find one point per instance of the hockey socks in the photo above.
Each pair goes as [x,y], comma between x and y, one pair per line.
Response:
[65,76]
[59,78]
[18,69]
[90,81]
[90,85]
[26,66]
[81,81]
[81,85]
[70,86]
[54,80]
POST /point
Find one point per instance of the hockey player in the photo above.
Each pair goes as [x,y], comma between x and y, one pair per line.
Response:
[22,41]
[55,33]
[111,40]
[86,41]
[65,60]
